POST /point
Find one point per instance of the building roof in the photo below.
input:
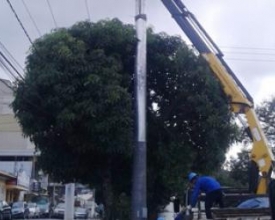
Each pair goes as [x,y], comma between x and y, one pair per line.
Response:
[6,175]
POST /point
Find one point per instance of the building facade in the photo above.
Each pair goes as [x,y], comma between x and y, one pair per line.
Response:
[16,152]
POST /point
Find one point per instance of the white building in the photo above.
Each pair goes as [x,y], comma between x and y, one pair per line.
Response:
[16,152]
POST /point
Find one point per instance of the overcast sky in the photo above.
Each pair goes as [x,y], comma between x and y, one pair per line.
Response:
[243,29]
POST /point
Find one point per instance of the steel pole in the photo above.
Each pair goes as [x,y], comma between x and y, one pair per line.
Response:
[139,196]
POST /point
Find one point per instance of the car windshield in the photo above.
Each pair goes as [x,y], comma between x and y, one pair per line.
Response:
[40,200]
[17,205]
[61,206]
[31,205]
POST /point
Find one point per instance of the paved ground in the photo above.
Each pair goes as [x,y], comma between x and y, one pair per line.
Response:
[56,219]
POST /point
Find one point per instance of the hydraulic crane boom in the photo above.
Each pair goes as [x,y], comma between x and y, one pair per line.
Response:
[240,100]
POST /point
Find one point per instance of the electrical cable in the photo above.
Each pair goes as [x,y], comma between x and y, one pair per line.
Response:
[11,56]
[50,7]
[32,19]
[2,56]
[22,26]
[7,69]
[6,84]
[19,21]
[11,65]
[11,72]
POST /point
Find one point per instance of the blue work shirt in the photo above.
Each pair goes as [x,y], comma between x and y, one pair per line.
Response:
[205,184]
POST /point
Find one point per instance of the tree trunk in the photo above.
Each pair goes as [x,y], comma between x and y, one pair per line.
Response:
[107,195]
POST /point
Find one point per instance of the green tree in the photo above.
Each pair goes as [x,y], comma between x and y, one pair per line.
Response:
[189,129]
[75,104]
[266,113]
[75,107]
[240,166]
[224,177]
[239,169]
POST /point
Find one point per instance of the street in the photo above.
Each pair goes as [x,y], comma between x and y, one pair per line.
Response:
[54,219]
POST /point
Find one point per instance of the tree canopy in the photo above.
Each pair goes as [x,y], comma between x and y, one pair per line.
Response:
[239,166]
[266,113]
[239,169]
[76,105]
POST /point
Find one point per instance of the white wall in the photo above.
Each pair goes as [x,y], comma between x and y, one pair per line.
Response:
[12,141]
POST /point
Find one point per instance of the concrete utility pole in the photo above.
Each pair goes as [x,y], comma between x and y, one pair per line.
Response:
[69,201]
[139,197]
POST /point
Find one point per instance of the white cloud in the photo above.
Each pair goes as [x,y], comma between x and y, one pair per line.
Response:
[266,89]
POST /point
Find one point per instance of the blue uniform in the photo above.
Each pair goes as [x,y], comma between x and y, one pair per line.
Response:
[205,184]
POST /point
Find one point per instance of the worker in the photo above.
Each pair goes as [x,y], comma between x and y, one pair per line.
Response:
[211,187]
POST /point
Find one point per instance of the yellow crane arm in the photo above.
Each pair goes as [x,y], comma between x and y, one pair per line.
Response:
[240,100]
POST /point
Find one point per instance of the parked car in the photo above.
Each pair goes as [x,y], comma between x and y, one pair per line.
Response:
[44,205]
[34,210]
[58,211]
[80,212]
[20,210]
[5,210]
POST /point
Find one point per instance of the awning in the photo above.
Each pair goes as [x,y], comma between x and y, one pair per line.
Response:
[6,176]
[16,187]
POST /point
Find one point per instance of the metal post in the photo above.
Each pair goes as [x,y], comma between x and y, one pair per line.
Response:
[69,201]
[139,204]
[54,194]
[93,205]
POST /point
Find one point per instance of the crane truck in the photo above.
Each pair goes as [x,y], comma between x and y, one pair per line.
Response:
[241,102]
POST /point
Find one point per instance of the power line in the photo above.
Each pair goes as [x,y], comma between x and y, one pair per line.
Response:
[32,19]
[11,56]
[21,24]
[7,69]
[50,7]
[11,65]
[6,84]
[87,8]
[19,21]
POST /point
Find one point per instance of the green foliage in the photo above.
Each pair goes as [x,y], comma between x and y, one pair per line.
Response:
[225,179]
[75,104]
[74,107]
[190,129]
[239,166]
[123,206]
[266,114]
[239,169]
